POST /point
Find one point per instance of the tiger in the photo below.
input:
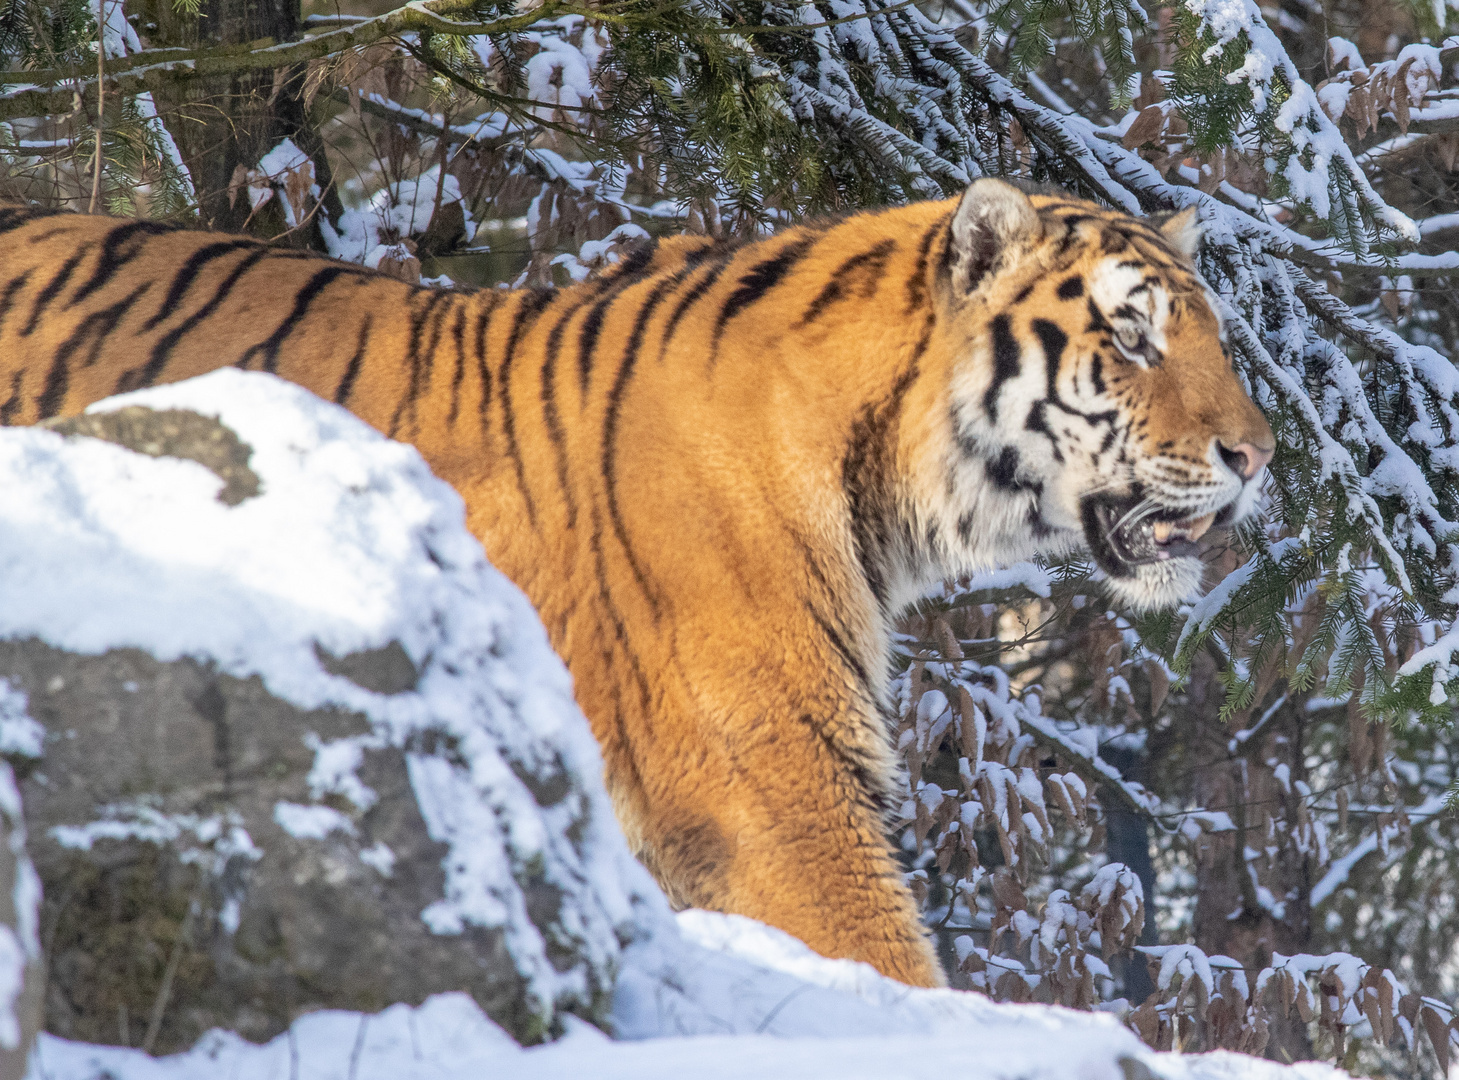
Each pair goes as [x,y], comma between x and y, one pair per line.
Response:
[720,470]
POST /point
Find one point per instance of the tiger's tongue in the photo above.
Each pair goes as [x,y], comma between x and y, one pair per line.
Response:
[1194,529]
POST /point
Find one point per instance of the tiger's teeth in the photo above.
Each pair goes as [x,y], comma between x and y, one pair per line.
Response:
[1194,529]
[1197,527]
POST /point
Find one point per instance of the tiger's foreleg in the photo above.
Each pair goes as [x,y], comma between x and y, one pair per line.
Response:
[771,813]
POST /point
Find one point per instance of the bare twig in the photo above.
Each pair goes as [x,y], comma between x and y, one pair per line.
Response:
[100,100]
[164,992]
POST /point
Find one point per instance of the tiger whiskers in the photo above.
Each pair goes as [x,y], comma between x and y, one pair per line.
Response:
[1137,513]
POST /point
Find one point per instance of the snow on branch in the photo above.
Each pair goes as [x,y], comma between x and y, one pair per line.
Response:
[1317,145]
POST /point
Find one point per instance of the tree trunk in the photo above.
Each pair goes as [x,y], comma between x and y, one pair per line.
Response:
[224,125]
[1254,882]
[1128,841]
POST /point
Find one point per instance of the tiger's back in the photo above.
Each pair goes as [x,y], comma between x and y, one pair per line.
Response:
[719,471]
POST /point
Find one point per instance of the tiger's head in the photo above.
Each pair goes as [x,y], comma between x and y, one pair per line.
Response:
[1095,389]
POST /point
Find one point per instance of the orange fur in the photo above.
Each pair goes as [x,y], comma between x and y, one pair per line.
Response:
[698,467]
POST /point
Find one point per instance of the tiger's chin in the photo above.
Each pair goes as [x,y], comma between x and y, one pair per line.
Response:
[1151,560]
[1153,586]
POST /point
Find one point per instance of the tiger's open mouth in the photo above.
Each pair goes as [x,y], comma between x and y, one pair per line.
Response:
[1122,537]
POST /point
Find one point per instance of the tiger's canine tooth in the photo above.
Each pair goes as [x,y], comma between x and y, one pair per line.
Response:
[1194,529]
[1197,527]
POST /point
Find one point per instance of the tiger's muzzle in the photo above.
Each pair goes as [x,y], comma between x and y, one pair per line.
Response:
[1124,533]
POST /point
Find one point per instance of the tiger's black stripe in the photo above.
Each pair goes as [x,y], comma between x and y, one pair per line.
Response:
[12,290]
[756,282]
[550,415]
[420,362]
[689,299]
[620,628]
[113,257]
[610,428]
[528,308]
[629,272]
[352,369]
[917,283]
[458,374]
[423,361]
[53,289]
[1005,364]
[838,634]
[1054,341]
[868,466]
[183,280]
[588,340]
[15,400]
[97,326]
[873,262]
[843,650]
[866,791]
[483,368]
[13,217]
[135,378]
[303,299]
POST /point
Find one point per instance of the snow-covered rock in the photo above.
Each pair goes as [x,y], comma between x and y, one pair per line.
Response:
[286,740]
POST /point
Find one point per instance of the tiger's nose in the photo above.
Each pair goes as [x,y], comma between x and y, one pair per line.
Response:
[1245,459]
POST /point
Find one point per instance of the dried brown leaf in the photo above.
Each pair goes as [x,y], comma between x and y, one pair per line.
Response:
[1159,685]
[1145,128]
[1151,91]
[974,727]
[1145,1022]
[237,183]
[1304,999]
[1438,1032]
[1007,892]
[1012,987]
[946,640]
[399,263]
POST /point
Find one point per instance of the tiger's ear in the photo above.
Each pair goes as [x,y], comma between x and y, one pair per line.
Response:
[1183,232]
[992,218]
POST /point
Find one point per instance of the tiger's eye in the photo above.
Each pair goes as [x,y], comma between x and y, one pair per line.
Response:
[1132,342]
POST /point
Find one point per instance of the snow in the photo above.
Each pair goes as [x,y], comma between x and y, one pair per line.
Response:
[310,822]
[401,210]
[1337,874]
[1184,960]
[12,982]
[1036,579]
[352,545]
[19,734]
[379,857]
[276,167]
[119,39]
[724,998]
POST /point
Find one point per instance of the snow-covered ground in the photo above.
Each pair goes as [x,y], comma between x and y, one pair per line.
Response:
[355,545]
[714,998]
